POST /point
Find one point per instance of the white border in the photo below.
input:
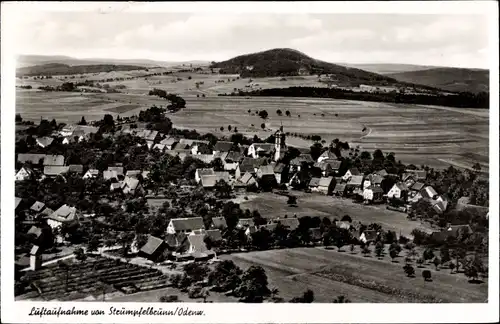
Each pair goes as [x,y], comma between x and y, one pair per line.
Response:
[16,312]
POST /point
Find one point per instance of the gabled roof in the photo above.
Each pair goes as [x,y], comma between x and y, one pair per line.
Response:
[245,222]
[116,185]
[417,186]
[17,202]
[185,224]
[222,175]
[37,206]
[206,158]
[34,230]
[263,147]
[130,182]
[44,141]
[197,243]
[223,146]
[93,172]
[47,212]
[328,154]
[132,173]
[291,223]
[203,148]
[375,189]
[354,171]
[118,169]
[325,181]
[356,180]
[86,129]
[205,171]
[339,187]
[214,234]
[107,175]
[159,147]
[145,174]
[55,170]
[440,207]
[401,186]
[266,170]
[233,156]
[151,135]
[375,179]
[57,160]
[219,222]
[303,158]
[186,142]
[32,158]
[382,173]
[333,164]
[314,182]
[278,168]
[268,227]
[428,192]
[153,244]
[221,155]
[64,213]
[169,141]
[246,178]
[77,168]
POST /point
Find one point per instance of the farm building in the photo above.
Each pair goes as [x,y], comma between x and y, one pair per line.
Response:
[185,225]
[339,190]
[429,192]
[218,223]
[64,215]
[201,148]
[245,222]
[75,168]
[159,147]
[296,163]
[44,141]
[206,158]
[450,231]
[327,155]
[354,184]
[169,143]
[248,165]
[91,173]
[399,190]
[53,160]
[197,247]
[326,185]
[131,186]
[215,235]
[202,172]
[54,171]
[372,180]
[265,171]
[257,150]
[350,173]
[109,175]
[24,173]
[132,173]
[34,159]
[328,167]
[155,249]
[233,157]
[222,146]
[247,179]
[416,187]
[313,184]
[373,194]
[368,236]
[117,169]
[37,207]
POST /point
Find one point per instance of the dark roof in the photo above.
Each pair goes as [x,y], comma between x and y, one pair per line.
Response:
[354,171]
[223,146]
[356,180]
[375,189]
[382,173]
[233,156]
[266,170]
[340,187]
[417,186]
[245,222]
[57,160]
[325,181]
[291,223]
[190,223]
[152,245]
[44,141]
[247,178]
[77,168]
[214,235]
[428,192]
[219,222]
[197,243]
[303,158]
[314,182]
[32,158]
[263,147]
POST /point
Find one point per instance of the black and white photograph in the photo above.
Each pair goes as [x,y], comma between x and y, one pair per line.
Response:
[178,159]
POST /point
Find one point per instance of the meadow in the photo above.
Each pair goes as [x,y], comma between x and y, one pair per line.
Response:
[436,136]
[329,273]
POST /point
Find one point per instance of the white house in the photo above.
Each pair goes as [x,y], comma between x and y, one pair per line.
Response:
[24,173]
[202,172]
[131,185]
[373,194]
[350,173]
[185,225]
[91,173]
[44,141]
[260,149]
[65,214]
[399,190]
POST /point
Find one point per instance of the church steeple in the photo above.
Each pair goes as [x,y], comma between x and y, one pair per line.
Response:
[279,144]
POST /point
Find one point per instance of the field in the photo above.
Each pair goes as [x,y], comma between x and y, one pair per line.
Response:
[329,274]
[436,136]
[273,206]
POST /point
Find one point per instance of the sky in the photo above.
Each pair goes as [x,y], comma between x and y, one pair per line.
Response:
[441,40]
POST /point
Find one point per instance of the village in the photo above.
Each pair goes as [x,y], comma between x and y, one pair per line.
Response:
[197,178]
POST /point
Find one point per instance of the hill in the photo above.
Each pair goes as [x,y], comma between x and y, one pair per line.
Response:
[388,68]
[64,69]
[289,62]
[449,79]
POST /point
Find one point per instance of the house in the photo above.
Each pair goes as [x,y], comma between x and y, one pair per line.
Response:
[313,184]
[75,168]
[328,167]
[215,235]
[37,207]
[205,158]
[53,171]
[44,141]
[155,249]
[280,171]
[290,223]
[25,173]
[440,206]
[343,225]
[64,215]
[131,186]
[418,175]
[429,192]
[246,180]
[245,222]
[248,165]
[372,180]
[159,147]
[169,143]
[465,203]
[115,186]
[296,163]
[91,173]
[373,194]
[53,160]
[222,175]
[414,191]
[117,169]
[34,159]
[257,150]
[350,173]
[185,225]
[250,230]
[326,185]
[222,146]
[339,190]
[133,173]
[218,223]
[265,171]
[267,227]
[451,231]
[208,181]
[383,173]
[110,175]
[399,190]
[230,159]
[354,183]
[203,172]
[201,148]
[197,247]
[41,236]
[327,155]
[368,236]
[145,174]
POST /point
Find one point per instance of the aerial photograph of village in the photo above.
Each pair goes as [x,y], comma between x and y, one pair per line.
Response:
[270,158]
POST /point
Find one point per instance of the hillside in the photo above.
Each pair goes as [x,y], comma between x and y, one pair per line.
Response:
[289,62]
[64,69]
[388,68]
[449,79]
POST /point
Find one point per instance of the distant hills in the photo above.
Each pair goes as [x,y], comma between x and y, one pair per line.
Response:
[289,62]
[449,79]
[388,68]
[64,69]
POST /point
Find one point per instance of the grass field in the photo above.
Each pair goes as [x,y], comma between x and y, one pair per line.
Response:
[436,136]
[293,271]
[273,206]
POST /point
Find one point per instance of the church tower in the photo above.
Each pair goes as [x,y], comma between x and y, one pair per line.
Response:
[279,144]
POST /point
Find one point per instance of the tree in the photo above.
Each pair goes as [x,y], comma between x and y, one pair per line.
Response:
[437,262]
[426,274]
[19,119]
[428,254]
[229,128]
[393,253]
[366,251]
[476,167]
[279,112]
[409,270]
[222,128]
[225,276]
[254,286]
[287,113]
[451,266]
[420,262]
[292,200]
[307,297]
[346,218]
[473,267]
[263,126]
[379,249]
[341,300]
[82,121]
[352,249]
[263,114]
[93,244]
[80,254]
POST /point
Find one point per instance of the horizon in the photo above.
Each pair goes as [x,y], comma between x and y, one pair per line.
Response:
[443,40]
